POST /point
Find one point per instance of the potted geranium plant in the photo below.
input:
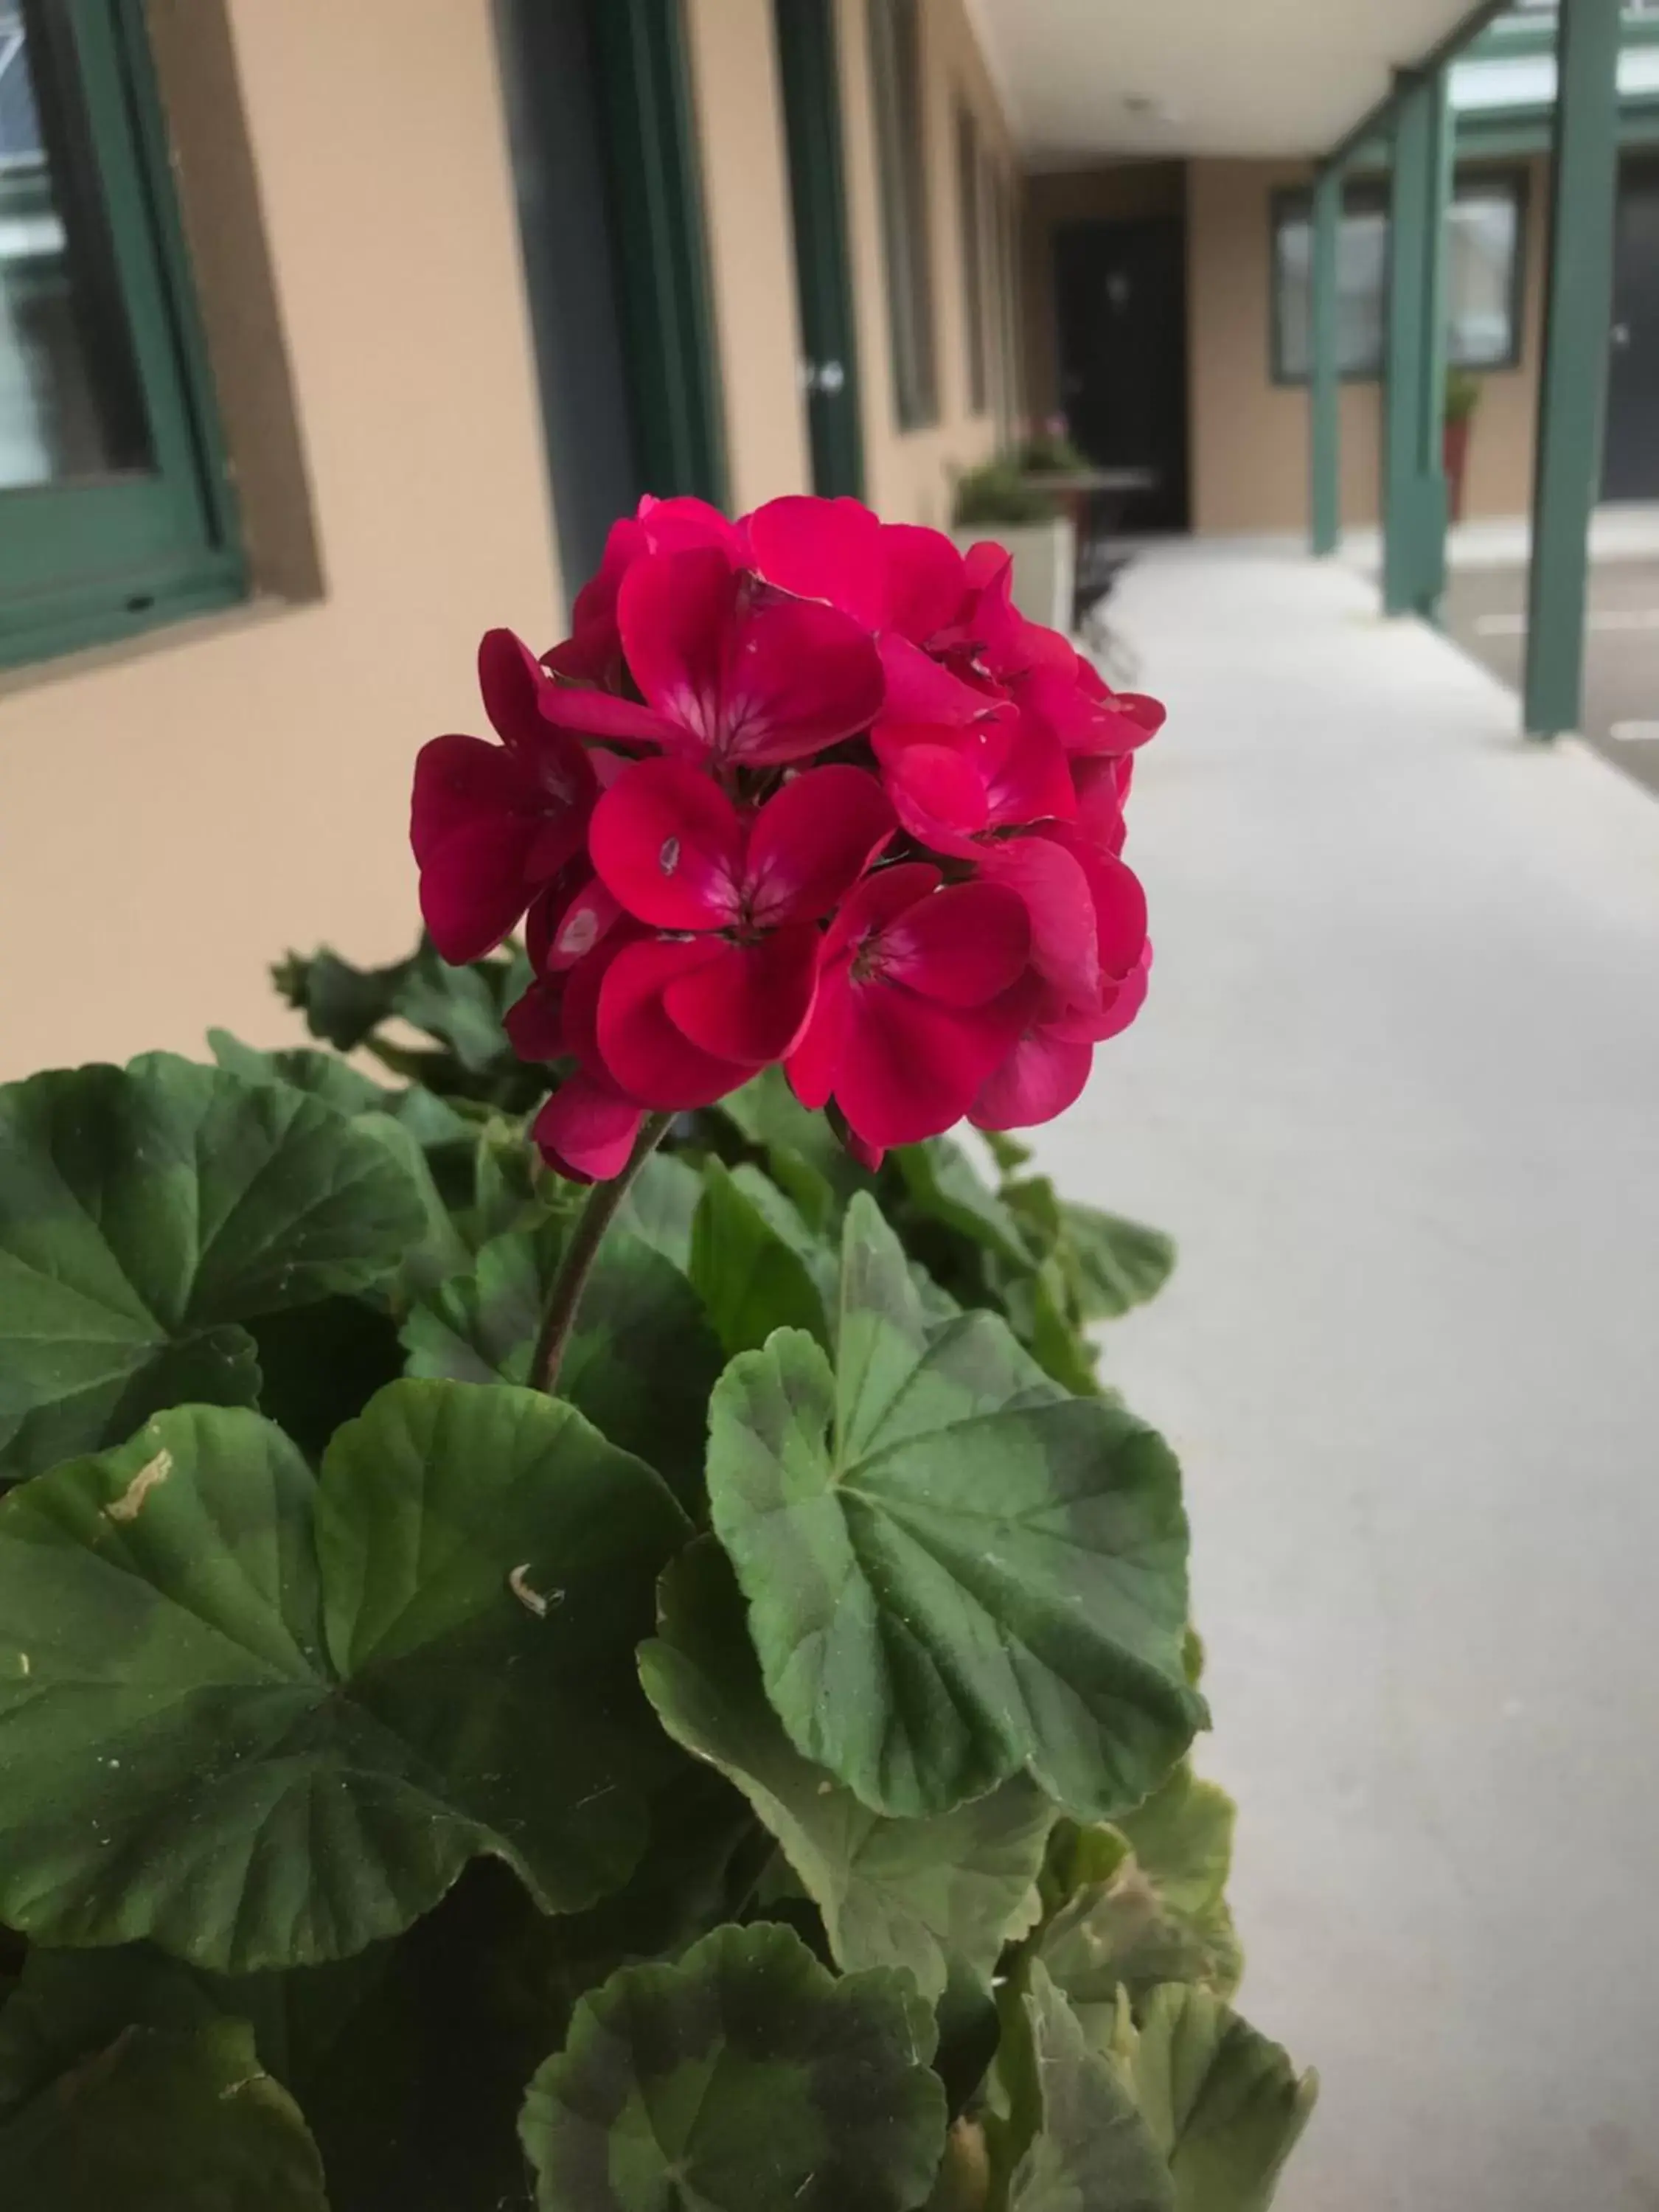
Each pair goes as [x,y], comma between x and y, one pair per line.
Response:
[1032,524]
[612,1652]
[1463,391]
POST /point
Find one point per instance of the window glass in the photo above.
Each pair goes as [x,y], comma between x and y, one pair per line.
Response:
[70,406]
[1484,250]
[901,139]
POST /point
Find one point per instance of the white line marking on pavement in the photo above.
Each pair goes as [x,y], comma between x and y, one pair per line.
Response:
[1636,733]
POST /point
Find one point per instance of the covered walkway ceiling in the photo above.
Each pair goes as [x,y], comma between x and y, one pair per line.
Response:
[1091,78]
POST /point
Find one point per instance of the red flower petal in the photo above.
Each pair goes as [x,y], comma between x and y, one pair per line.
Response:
[668,844]
[812,841]
[587,1130]
[683,523]
[676,612]
[799,676]
[822,549]
[511,681]
[911,1068]
[750,1002]
[926,581]
[871,905]
[964,945]
[459,780]
[645,1053]
[816,1060]
[473,886]
[574,931]
[1031,782]
[1040,1078]
[920,691]
[535,1023]
[937,786]
[1057,897]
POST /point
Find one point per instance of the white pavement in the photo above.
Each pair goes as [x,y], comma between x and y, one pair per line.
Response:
[1396,1092]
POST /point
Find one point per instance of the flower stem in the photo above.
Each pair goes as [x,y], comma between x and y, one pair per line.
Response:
[564,1300]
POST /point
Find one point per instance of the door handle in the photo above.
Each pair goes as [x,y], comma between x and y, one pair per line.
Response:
[1621,335]
[828,377]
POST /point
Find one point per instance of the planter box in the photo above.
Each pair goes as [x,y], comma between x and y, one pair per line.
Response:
[1045,565]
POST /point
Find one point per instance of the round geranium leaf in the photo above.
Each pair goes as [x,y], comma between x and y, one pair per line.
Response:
[1079,2141]
[146,1211]
[265,1719]
[953,1570]
[160,2120]
[913,1894]
[745,2078]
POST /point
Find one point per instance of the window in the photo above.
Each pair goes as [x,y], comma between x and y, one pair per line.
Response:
[901,143]
[972,220]
[1485,263]
[114,509]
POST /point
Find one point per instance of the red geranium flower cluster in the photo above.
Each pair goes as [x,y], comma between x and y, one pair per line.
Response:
[806,788]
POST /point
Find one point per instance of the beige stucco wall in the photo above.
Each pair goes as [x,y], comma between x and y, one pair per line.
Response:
[1250,436]
[745,182]
[174,813]
[908,473]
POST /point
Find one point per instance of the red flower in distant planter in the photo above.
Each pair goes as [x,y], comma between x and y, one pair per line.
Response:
[493,825]
[919,1001]
[806,788]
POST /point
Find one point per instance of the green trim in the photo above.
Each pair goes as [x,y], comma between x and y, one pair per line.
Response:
[1511,38]
[1324,384]
[1414,501]
[809,71]
[1573,392]
[1511,132]
[98,558]
[1449,49]
[662,257]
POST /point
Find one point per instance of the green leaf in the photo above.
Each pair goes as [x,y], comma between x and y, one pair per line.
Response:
[1087,2149]
[164,2121]
[748,1276]
[803,1152]
[1117,1264]
[891,1893]
[335,1081]
[265,1720]
[319,1366]
[462,1007]
[1225,2106]
[952,1570]
[745,2078]
[1037,1316]
[640,1364]
[661,1206]
[946,1187]
[142,1214]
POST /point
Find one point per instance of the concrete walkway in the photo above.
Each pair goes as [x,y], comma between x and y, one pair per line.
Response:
[1397,1094]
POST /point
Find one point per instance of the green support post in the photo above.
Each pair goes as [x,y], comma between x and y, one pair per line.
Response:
[1572,393]
[1414,504]
[1324,370]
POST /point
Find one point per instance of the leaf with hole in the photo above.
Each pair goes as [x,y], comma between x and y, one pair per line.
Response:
[264,1719]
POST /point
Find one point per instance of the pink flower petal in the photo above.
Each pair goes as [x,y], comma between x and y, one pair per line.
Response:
[573,931]
[936,785]
[675,611]
[964,945]
[668,845]
[816,1060]
[812,841]
[926,581]
[822,549]
[681,524]
[587,1130]
[798,676]
[1040,1078]
[1032,782]
[1055,890]
[920,691]
[643,1051]
[601,715]
[871,905]
[750,1002]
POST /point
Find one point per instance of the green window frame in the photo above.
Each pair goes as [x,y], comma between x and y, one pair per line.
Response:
[88,559]
[972,211]
[901,117]
[1366,205]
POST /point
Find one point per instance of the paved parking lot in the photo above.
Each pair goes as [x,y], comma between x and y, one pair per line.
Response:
[1485,612]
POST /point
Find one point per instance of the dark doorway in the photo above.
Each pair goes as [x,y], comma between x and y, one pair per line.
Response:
[610,222]
[1121,302]
[1631,468]
[811,77]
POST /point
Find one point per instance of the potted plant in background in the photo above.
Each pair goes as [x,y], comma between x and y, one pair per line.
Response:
[1033,523]
[609,1648]
[1463,392]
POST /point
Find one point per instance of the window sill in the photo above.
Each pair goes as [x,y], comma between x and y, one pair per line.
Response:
[166,633]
